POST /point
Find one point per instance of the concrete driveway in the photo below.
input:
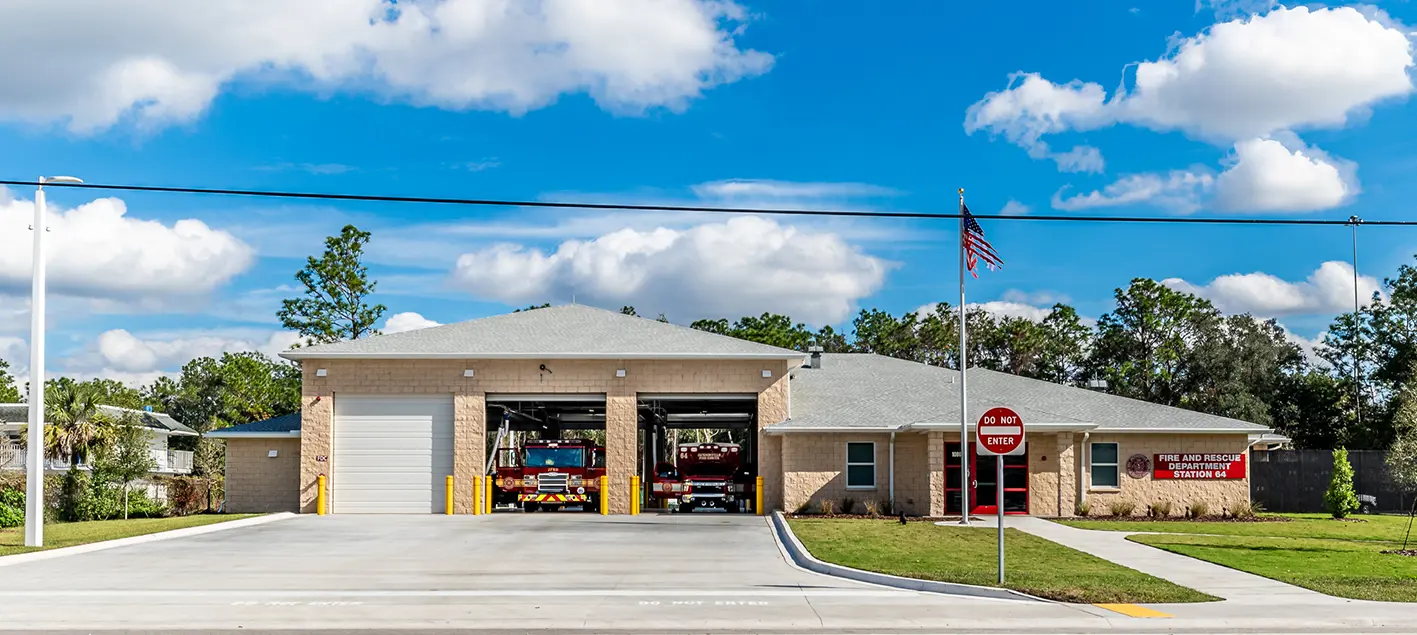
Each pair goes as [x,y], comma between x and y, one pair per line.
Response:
[571,571]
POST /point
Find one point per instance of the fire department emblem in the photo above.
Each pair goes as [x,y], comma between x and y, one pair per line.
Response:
[1138,466]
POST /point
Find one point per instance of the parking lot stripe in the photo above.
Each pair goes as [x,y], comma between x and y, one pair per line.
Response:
[1133,610]
[433,593]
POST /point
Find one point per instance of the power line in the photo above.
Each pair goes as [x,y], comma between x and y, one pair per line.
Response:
[327,196]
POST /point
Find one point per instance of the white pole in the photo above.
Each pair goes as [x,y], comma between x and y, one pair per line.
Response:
[963,391]
[34,487]
[999,487]
[1357,331]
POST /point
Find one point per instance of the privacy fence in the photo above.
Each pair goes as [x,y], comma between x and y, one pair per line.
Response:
[1295,480]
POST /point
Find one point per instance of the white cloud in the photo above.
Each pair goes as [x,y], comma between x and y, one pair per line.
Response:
[120,350]
[1309,346]
[1328,290]
[1267,176]
[1079,159]
[744,266]
[1178,190]
[97,251]
[1047,298]
[1284,70]
[145,62]
[1004,308]
[407,321]
[1014,208]
[1242,81]
[737,189]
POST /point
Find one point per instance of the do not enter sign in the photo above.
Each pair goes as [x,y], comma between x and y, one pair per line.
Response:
[1000,431]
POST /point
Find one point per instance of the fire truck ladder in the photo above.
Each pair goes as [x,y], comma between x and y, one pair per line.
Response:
[503,432]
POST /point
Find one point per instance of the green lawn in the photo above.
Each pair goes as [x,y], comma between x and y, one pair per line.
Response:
[12,541]
[1341,558]
[1299,526]
[968,555]
[1345,568]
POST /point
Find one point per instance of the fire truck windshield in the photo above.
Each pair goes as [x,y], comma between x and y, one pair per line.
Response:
[555,457]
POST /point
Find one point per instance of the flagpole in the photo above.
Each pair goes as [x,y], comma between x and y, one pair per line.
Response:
[963,391]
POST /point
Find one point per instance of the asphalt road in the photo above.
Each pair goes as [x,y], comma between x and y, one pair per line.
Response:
[515,573]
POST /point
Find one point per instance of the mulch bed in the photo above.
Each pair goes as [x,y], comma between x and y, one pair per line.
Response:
[1179,519]
[1411,553]
[913,519]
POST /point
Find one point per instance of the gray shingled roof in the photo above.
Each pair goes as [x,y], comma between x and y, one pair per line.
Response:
[20,413]
[862,391]
[284,424]
[570,331]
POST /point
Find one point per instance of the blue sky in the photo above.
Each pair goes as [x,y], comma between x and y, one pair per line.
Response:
[1222,109]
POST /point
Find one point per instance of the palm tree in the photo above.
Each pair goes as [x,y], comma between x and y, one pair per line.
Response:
[76,424]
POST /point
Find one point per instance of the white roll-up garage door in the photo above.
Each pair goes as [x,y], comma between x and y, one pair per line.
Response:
[391,453]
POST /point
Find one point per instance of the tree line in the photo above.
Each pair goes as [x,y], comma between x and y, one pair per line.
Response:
[1165,346]
[1157,344]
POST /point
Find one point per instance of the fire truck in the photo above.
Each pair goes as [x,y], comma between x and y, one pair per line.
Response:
[549,474]
[704,475]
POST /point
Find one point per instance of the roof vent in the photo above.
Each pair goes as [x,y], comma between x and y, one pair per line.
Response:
[816,352]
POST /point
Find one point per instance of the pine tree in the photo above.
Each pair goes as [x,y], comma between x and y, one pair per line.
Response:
[1340,498]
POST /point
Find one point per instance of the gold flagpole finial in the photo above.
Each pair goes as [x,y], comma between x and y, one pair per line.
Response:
[961,191]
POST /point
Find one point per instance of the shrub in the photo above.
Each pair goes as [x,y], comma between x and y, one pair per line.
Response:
[1340,499]
[1241,509]
[1197,509]
[802,510]
[12,508]
[825,507]
[1083,509]
[1159,510]
[848,505]
[1122,508]
[141,506]
[873,507]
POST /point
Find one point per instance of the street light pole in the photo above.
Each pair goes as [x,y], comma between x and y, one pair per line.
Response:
[1354,222]
[34,463]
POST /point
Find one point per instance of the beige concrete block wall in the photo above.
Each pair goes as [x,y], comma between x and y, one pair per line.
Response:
[1217,494]
[365,377]
[912,473]
[259,483]
[814,470]
[1045,491]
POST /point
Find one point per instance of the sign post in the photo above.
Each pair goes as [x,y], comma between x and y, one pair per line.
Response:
[1000,432]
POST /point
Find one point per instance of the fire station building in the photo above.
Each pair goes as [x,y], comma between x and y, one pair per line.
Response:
[386,419]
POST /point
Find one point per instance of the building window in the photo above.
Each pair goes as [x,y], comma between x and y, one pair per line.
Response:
[1104,465]
[861,466]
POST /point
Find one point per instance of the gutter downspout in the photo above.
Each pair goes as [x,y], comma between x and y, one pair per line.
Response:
[1085,460]
[891,480]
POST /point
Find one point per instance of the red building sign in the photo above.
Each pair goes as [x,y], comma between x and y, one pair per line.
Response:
[1199,466]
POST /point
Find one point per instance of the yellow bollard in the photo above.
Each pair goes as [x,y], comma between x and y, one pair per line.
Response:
[604,495]
[320,495]
[448,498]
[487,498]
[477,495]
[758,496]
[635,495]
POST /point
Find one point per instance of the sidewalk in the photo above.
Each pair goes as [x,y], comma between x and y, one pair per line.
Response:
[1223,582]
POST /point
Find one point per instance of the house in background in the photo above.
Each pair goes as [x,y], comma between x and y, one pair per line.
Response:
[14,417]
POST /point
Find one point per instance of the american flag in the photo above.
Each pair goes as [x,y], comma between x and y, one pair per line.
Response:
[975,247]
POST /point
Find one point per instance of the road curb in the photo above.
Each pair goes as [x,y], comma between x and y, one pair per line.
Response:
[47,554]
[802,558]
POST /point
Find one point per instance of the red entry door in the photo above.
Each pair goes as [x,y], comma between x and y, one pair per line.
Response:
[982,487]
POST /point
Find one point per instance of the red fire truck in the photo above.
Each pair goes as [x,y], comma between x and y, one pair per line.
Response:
[705,475]
[549,474]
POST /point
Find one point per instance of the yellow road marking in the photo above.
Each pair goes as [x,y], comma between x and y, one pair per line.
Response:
[1133,610]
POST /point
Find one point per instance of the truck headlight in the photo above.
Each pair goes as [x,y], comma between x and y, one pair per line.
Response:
[574,481]
[529,481]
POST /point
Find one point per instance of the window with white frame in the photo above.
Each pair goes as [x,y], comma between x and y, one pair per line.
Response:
[1104,465]
[861,465]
